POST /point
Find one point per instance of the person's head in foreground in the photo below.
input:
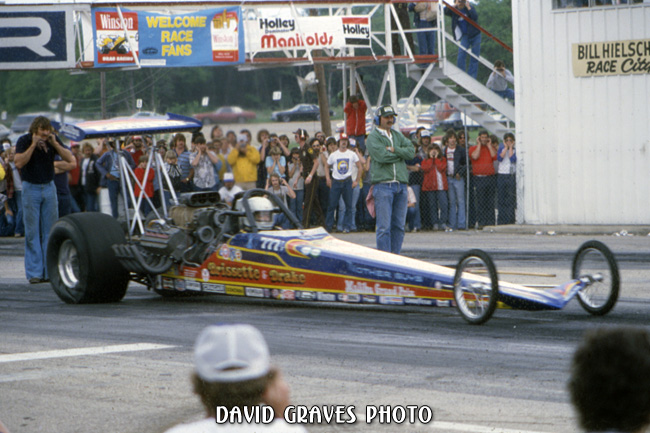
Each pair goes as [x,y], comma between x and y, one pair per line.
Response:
[233,369]
[610,381]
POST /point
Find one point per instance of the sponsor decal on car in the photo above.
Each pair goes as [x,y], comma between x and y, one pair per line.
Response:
[254,292]
[190,272]
[305,296]
[418,301]
[369,299]
[194,286]
[376,289]
[205,274]
[167,283]
[349,297]
[288,295]
[235,290]
[391,300]
[180,284]
[443,303]
[224,251]
[214,288]
[328,297]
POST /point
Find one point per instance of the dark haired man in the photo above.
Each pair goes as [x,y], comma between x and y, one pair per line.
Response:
[610,381]
[35,153]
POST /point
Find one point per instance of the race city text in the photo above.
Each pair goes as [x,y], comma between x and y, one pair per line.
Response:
[327,414]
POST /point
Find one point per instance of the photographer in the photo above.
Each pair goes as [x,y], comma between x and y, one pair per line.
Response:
[35,152]
[244,159]
[204,162]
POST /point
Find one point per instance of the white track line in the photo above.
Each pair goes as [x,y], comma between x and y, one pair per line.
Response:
[83,351]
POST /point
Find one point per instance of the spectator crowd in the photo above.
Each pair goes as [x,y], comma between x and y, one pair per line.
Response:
[453,183]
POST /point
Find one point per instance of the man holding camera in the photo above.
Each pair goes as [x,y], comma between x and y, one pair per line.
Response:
[465,33]
[244,159]
[35,153]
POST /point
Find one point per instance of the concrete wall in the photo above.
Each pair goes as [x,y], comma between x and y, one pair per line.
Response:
[583,142]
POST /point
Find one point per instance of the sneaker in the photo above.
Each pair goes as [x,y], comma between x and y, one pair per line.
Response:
[448,229]
[34,280]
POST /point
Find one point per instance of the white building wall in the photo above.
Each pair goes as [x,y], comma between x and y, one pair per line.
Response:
[583,143]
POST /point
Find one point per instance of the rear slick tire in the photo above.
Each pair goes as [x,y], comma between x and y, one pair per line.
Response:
[81,263]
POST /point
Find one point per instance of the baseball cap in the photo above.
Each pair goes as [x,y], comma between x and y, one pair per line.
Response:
[231,353]
[352,142]
[137,137]
[301,133]
[425,133]
[228,177]
[344,136]
[6,146]
[386,110]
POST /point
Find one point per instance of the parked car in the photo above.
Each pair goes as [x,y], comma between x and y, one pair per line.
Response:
[4,131]
[436,113]
[414,107]
[299,112]
[22,122]
[225,115]
[458,120]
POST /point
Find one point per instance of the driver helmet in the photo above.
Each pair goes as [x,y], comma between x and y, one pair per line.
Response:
[262,210]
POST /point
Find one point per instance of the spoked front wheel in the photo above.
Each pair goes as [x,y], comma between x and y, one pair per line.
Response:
[595,262]
[476,287]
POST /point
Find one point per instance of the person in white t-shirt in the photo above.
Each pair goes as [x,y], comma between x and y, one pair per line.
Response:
[229,190]
[507,180]
[341,182]
[232,371]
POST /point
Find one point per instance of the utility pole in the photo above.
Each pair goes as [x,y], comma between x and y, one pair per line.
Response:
[321,91]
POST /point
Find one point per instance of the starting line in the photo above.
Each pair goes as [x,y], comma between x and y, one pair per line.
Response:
[84,351]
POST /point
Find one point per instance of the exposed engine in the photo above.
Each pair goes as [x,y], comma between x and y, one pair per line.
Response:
[192,232]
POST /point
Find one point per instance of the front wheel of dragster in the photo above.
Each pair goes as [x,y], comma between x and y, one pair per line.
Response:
[80,260]
[476,287]
[596,262]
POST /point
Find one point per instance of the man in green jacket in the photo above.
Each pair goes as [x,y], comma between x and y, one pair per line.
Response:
[389,150]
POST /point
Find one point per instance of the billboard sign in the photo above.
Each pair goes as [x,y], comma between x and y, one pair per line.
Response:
[210,37]
[33,39]
[279,30]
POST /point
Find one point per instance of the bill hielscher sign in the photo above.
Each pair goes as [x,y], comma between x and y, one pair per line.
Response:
[611,58]
[283,30]
[210,37]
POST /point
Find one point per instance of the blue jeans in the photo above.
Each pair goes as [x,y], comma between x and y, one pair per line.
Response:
[339,189]
[90,199]
[295,204]
[40,212]
[506,198]
[474,43]
[506,94]
[16,204]
[7,223]
[342,210]
[456,203]
[437,207]
[485,199]
[390,209]
[64,202]
[426,40]
[113,194]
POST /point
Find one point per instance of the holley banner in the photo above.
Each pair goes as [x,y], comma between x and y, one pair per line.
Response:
[281,30]
[211,37]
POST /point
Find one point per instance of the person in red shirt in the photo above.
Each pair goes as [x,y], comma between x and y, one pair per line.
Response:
[139,172]
[483,156]
[434,187]
[355,122]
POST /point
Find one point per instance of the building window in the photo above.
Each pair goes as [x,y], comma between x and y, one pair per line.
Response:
[573,4]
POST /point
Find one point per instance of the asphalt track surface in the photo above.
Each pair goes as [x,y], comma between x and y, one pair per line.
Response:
[125,367]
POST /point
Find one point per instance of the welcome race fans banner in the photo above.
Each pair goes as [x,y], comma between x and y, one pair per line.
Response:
[280,29]
[211,37]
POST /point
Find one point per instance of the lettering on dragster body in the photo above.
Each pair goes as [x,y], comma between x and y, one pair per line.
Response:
[376,289]
[243,272]
[291,277]
[273,41]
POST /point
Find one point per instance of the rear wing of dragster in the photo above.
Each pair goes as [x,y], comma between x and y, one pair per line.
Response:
[129,126]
